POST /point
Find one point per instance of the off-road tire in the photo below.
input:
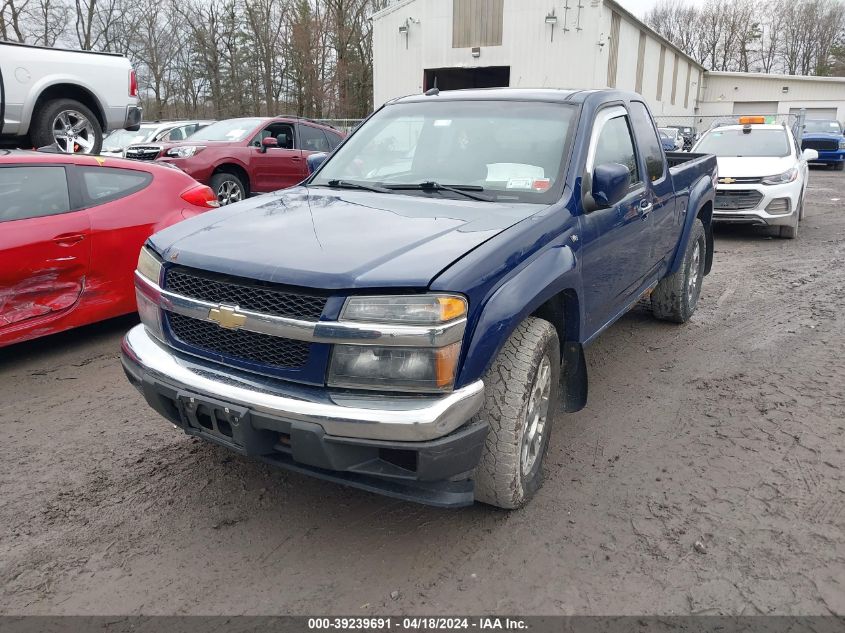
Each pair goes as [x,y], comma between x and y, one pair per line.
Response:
[508,385]
[41,129]
[225,179]
[674,299]
[788,232]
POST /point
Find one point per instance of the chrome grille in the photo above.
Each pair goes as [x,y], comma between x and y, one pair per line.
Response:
[240,345]
[246,294]
[822,144]
[143,152]
[736,199]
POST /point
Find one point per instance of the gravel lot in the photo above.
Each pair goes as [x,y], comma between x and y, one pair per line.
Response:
[705,476]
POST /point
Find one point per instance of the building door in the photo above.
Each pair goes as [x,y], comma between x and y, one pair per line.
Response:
[822,114]
[460,78]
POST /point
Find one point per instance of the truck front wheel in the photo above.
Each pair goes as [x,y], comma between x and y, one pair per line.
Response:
[676,296]
[520,392]
[69,125]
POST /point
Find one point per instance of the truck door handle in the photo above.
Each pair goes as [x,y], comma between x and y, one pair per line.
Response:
[645,208]
[69,239]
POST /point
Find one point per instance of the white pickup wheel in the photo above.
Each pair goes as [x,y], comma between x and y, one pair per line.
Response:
[68,125]
[520,396]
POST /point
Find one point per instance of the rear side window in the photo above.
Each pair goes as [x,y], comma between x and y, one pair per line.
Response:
[32,192]
[615,145]
[313,140]
[334,139]
[647,139]
[104,184]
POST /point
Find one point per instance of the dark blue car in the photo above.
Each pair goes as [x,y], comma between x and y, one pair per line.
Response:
[825,136]
[408,319]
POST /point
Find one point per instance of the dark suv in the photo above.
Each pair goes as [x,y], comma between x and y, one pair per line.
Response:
[239,157]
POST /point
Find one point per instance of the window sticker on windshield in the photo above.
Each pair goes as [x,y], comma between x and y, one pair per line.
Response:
[235,134]
[442,122]
[520,183]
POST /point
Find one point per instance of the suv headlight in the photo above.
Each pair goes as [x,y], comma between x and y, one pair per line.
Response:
[149,267]
[788,176]
[391,368]
[185,151]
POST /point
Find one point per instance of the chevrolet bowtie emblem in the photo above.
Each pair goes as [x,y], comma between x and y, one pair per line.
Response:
[727,181]
[227,317]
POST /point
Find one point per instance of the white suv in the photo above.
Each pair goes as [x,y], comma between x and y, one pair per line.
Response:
[762,174]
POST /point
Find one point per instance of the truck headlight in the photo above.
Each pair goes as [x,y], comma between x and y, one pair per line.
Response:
[394,368]
[185,151]
[147,294]
[405,309]
[842,144]
[788,176]
[149,265]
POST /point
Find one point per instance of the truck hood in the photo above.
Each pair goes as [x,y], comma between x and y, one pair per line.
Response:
[322,238]
[753,166]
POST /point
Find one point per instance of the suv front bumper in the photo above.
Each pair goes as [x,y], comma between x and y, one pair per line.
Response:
[417,448]
[758,214]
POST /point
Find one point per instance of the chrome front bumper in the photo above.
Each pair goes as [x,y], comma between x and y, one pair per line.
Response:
[342,414]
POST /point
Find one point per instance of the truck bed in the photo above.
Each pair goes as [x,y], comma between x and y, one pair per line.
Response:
[686,168]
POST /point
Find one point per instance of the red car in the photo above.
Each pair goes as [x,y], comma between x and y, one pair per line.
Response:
[71,228]
[239,157]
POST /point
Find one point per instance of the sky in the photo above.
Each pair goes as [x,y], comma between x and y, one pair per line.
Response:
[640,7]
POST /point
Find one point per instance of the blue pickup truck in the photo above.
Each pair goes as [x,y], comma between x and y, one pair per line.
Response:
[410,317]
[826,137]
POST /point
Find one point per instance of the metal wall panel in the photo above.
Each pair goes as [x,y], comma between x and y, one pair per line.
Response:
[660,72]
[613,53]
[638,87]
[477,23]
[675,78]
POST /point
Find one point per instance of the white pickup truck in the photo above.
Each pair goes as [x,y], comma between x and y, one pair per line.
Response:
[64,97]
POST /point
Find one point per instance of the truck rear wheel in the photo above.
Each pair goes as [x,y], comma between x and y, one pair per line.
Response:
[68,124]
[676,296]
[521,389]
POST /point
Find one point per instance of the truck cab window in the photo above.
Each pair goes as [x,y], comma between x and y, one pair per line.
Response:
[615,145]
[648,141]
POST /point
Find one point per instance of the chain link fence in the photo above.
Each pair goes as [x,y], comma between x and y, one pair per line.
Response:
[344,125]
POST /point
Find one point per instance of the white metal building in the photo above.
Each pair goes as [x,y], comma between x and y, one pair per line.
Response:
[754,93]
[530,44]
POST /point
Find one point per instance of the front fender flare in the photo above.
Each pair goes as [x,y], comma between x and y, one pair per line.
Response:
[552,272]
[701,193]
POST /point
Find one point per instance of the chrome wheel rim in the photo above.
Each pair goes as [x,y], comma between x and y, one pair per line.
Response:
[694,272]
[536,415]
[73,133]
[229,192]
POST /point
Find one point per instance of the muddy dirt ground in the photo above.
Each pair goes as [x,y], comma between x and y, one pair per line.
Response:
[728,432]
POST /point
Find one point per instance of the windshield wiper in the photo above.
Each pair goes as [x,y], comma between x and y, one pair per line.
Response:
[347,184]
[430,185]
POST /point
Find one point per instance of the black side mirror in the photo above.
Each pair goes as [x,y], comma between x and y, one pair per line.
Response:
[315,160]
[610,183]
[268,142]
[282,140]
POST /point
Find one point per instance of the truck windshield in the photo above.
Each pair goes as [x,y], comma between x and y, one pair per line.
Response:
[814,127]
[736,142]
[232,130]
[512,151]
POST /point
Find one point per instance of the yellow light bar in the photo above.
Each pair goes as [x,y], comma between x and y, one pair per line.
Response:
[747,120]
